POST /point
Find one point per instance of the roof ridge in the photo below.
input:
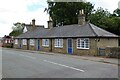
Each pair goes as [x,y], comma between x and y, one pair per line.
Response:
[67,25]
[92,29]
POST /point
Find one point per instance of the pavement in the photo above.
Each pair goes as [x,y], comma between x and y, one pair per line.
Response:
[91,58]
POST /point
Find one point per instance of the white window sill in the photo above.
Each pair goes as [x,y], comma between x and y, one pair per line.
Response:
[84,48]
[58,47]
[45,46]
[31,45]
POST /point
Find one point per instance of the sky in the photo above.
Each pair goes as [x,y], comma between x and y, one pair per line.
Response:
[12,11]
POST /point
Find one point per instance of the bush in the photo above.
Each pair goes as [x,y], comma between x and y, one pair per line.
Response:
[113,52]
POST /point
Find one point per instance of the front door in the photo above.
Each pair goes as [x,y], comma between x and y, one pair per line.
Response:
[69,46]
[38,44]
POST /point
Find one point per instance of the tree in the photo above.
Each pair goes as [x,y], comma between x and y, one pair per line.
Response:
[99,16]
[67,12]
[105,20]
[17,29]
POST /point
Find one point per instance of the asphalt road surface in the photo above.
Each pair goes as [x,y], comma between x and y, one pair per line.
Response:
[19,64]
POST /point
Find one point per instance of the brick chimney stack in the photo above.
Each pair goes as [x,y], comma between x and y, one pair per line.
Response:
[81,17]
[50,23]
[33,24]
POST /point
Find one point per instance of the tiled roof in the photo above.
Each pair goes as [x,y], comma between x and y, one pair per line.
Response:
[29,26]
[101,32]
[75,30]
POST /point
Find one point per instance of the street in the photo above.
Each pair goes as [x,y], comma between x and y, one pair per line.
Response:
[0,62]
[20,64]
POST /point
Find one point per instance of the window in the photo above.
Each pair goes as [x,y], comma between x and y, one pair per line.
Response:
[58,43]
[83,43]
[24,42]
[32,42]
[45,42]
[7,40]
[16,41]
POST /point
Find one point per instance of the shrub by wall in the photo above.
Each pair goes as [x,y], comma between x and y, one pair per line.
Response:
[112,52]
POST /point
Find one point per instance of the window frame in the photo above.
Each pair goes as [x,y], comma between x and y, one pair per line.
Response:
[24,41]
[82,44]
[45,42]
[32,42]
[58,43]
[16,41]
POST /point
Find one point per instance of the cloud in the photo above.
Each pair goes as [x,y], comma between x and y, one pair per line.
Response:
[34,7]
[106,4]
[12,11]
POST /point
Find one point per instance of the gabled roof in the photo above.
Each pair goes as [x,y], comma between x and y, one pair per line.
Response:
[75,30]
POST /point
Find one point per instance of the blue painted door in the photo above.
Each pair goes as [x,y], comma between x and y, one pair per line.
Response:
[38,44]
[69,46]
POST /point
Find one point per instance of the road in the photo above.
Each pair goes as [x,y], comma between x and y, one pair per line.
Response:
[0,63]
[20,64]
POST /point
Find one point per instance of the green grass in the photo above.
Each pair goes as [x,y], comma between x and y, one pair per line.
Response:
[41,52]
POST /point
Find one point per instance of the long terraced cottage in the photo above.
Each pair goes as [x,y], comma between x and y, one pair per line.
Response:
[83,38]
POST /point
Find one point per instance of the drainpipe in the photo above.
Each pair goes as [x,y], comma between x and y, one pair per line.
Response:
[96,47]
[51,45]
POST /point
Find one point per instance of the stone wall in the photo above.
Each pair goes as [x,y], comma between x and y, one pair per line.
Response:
[17,46]
[44,48]
[60,50]
[107,42]
[91,51]
[94,44]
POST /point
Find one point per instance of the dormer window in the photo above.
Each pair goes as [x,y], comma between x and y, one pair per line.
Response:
[25,29]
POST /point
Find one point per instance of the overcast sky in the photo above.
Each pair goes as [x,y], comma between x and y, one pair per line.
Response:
[12,11]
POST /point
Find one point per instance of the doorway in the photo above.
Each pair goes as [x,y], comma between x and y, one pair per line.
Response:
[69,45]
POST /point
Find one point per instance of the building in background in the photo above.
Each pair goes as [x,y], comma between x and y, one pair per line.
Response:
[0,41]
[7,41]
